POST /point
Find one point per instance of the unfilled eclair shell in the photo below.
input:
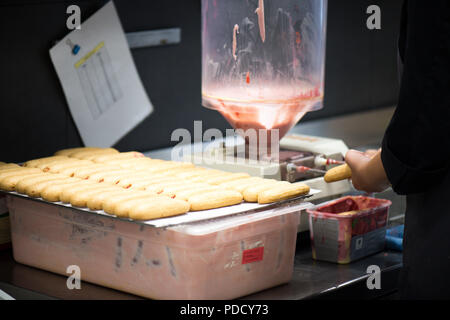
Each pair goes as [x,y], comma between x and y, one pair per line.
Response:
[127,181]
[159,187]
[158,208]
[122,209]
[110,176]
[227,178]
[86,172]
[45,166]
[25,182]
[53,192]
[117,178]
[119,156]
[214,199]
[251,193]
[92,155]
[133,163]
[69,151]
[36,162]
[97,200]
[58,166]
[186,173]
[70,170]
[34,190]
[81,198]
[86,154]
[140,185]
[338,173]
[241,184]
[18,171]
[110,204]
[69,191]
[9,182]
[5,166]
[167,166]
[203,177]
[180,171]
[282,192]
[188,186]
[185,194]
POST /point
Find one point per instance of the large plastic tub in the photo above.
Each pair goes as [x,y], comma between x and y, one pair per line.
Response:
[219,259]
[5,234]
[342,238]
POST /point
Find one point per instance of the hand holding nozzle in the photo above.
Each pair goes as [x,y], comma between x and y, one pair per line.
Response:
[344,171]
[365,168]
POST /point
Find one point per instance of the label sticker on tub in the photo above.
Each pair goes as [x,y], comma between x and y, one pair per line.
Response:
[252,255]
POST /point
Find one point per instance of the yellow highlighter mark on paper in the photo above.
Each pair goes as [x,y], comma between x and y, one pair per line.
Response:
[89,54]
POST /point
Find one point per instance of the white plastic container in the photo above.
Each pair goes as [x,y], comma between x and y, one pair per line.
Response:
[219,259]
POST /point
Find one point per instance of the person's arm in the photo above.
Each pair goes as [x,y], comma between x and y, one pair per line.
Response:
[415,151]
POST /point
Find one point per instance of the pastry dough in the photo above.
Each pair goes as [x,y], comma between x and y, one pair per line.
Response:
[226,178]
[8,183]
[34,163]
[59,165]
[69,191]
[53,191]
[86,172]
[112,176]
[110,204]
[81,198]
[18,171]
[137,176]
[122,209]
[34,189]
[27,181]
[70,151]
[283,192]
[144,182]
[87,154]
[241,184]
[159,187]
[214,199]
[122,155]
[133,163]
[169,166]
[185,194]
[208,176]
[96,201]
[251,193]
[158,208]
[6,166]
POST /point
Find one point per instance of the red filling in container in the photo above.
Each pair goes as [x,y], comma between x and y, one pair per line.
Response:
[348,228]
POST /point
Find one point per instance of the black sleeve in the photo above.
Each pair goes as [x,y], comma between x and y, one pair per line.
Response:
[416,145]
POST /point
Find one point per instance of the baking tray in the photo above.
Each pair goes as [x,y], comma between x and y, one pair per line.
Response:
[191,216]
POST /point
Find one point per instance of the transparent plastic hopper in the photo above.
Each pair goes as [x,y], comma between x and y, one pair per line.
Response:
[263,61]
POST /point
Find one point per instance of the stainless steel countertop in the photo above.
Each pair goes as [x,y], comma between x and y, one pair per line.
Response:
[311,279]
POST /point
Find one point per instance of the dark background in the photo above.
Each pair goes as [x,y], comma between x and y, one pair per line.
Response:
[35,121]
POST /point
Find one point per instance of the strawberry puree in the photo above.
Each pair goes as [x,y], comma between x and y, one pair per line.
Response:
[268,109]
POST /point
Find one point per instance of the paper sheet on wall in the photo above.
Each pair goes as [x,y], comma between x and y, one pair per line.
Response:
[101,84]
